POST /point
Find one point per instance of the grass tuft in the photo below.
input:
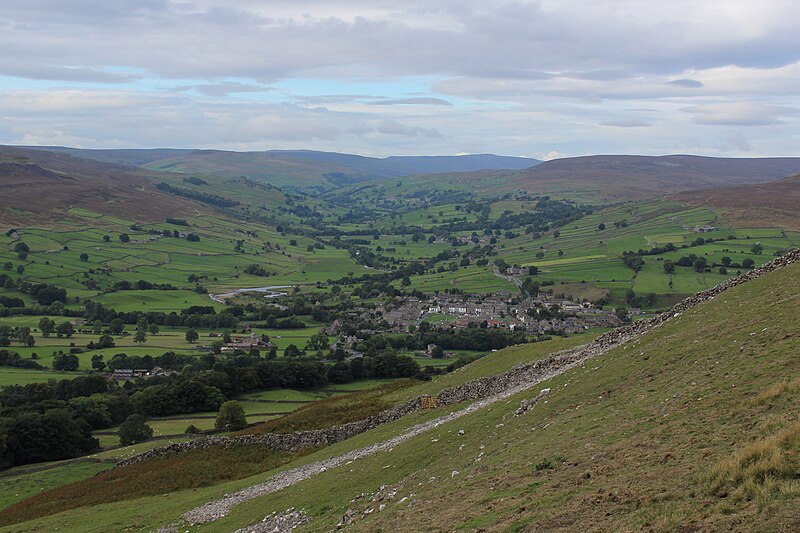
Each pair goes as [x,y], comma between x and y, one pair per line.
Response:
[778,389]
[760,469]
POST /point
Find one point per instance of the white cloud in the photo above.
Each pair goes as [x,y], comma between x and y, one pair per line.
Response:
[513,76]
[739,114]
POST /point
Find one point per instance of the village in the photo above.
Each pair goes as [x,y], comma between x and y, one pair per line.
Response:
[540,314]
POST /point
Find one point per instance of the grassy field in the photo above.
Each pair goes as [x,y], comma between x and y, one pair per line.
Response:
[644,422]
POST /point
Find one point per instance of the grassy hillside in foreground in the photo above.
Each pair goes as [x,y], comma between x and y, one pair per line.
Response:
[694,427]
[123,514]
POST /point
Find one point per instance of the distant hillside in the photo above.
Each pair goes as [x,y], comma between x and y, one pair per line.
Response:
[624,177]
[303,169]
[776,203]
[38,186]
[595,179]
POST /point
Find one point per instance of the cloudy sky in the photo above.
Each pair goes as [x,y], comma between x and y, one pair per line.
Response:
[543,78]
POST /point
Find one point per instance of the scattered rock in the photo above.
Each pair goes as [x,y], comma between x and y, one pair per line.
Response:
[283,522]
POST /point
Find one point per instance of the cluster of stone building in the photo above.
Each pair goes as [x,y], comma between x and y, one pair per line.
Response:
[498,310]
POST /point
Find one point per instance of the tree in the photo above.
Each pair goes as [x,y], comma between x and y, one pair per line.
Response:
[124,237]
[191,335]
[141,331]
[134,430]
[700,264]
[153,329]
[106,238]
[340,373]
[601,226]
[84,257]
[46,326]
[726,261]
[66,361]
[98,363]
[405,282]
[65,329]
[757,248]
[140,336]
[669,267]
[292,351]
[748,263]
[231,416]
[116,326]
[437,352]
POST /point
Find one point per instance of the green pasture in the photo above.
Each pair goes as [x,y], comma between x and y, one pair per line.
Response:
[24,482]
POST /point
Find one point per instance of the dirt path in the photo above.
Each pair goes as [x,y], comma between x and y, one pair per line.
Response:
[222,507]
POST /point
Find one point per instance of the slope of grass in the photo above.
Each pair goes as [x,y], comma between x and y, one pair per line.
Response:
[638,439]
[694,426]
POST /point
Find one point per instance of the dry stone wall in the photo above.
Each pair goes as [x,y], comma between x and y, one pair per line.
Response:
[473,390]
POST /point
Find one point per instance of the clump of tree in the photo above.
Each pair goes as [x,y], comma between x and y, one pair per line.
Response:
[206,198]
[257,270]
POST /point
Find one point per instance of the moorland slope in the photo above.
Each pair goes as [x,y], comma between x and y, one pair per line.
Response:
[299,169]
[39,186]
[776,203]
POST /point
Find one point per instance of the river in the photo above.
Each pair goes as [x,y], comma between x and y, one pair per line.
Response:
[269,292]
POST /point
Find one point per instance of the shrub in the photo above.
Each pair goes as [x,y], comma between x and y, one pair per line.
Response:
[231,416]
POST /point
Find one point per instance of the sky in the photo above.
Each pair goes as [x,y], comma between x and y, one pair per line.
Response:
[545,79]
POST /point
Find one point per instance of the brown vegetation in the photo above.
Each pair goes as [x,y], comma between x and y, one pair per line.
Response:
[638,177]
[39,185]
[768,204]
[159,476]
[333,411]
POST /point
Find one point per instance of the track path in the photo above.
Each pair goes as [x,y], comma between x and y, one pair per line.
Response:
[220,508]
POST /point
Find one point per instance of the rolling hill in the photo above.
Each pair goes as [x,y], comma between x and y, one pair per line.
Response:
[591,179]
[41,186]
[776,203]
[636,177]
[299,169]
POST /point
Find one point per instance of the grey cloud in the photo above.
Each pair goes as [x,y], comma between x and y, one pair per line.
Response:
[69,74]
[685,82]
[412,101]
[224,89]
[392,127]
[739,114]
[632,123]
[513,40]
